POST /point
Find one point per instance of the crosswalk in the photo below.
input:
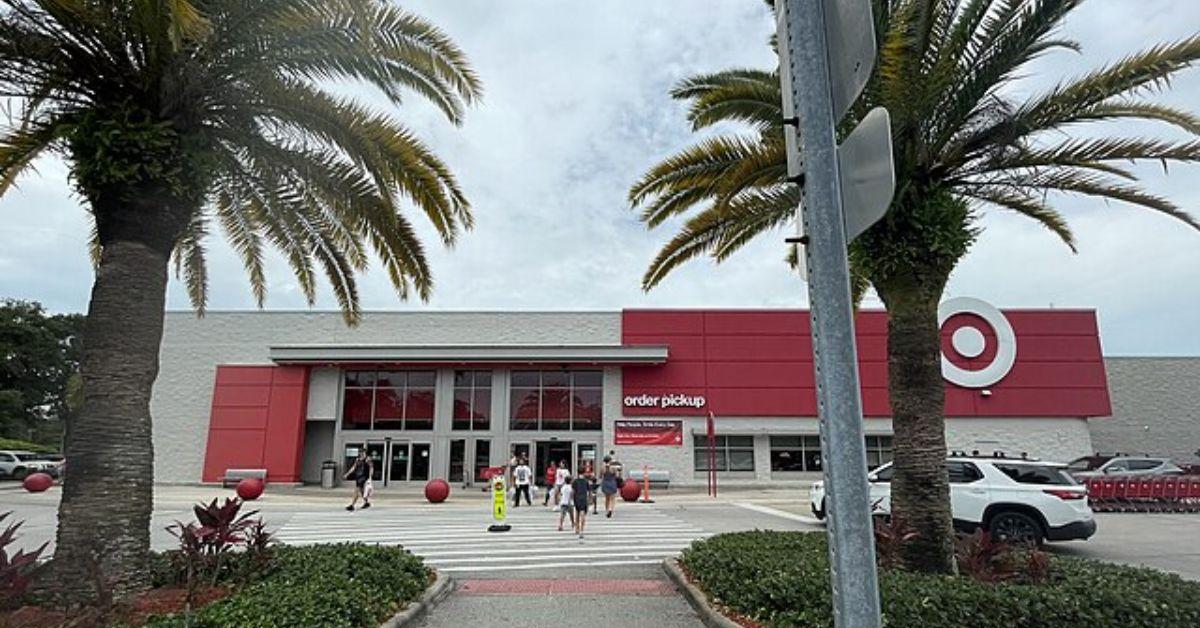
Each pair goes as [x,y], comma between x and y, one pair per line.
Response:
[458,541]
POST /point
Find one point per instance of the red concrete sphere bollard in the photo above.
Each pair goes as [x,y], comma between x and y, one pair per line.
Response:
[631,490]
[250,489]
[437,490]
[37,482]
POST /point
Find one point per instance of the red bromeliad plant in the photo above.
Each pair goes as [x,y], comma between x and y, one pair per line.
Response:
[17,570]
[891,536]
[985,559]
[259,542]
[222,528]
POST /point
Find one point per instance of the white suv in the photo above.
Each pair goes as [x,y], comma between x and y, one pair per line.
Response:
[1014,499]
[19,464]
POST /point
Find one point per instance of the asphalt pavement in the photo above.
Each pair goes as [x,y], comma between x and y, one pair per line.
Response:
[536,575]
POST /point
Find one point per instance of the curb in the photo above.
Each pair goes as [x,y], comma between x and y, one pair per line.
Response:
[441,588]
[708,614]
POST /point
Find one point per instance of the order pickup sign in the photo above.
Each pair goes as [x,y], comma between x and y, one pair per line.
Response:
[650,432]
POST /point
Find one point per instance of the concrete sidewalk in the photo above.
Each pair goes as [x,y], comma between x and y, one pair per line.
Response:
[647,602]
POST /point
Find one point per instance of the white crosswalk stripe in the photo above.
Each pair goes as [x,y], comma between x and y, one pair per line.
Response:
[457,540]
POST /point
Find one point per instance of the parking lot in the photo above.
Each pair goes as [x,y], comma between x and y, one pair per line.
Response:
[1158,540]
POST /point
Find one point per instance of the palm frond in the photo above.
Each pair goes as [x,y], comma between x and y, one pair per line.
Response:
[1142,72]
[1027,205]
[747,96]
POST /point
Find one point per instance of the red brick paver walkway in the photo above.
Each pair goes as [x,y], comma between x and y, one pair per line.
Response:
[565,587]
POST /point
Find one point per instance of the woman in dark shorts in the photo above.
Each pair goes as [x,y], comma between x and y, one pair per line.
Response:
[580,489]
[609,484]
[361,471]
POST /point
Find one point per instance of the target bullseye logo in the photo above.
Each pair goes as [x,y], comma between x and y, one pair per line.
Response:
[970,342]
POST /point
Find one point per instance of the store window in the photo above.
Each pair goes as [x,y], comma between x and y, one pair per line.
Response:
[879,451]
[795,453]
[472,400]
[733,453]
[803,453]
[389,400]
[556,400]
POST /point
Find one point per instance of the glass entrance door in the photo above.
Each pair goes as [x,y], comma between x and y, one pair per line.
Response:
[520,451]
[551,452]
[376,452]
[398,469]
[420,462]
[585,458]
[483,457]
[458,461]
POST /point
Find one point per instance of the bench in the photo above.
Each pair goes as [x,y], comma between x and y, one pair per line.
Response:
[233,476]
[658,478]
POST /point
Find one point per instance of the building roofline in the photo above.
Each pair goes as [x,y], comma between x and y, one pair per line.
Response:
[472,353]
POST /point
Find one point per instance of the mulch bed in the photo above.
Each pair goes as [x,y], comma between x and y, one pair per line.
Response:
[162,601]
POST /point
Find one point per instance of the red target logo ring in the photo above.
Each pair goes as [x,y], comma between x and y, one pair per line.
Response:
[970,342]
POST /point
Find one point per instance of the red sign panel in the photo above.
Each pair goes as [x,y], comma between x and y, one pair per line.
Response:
[653,432]
[759,363]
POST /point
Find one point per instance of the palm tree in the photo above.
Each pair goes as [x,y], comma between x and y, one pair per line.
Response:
[177,116]
[962,145]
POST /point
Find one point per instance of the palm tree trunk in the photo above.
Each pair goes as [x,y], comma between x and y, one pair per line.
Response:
[104,517]
[920,489]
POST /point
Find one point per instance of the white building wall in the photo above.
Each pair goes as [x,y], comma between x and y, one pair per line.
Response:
[1155,408]
[323,388]
[1055,439]
[193,347]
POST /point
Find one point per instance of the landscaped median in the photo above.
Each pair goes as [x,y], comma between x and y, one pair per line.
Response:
[343,585]
[229,571]
[782,579]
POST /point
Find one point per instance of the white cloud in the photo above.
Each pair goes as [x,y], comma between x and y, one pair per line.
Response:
[576,107]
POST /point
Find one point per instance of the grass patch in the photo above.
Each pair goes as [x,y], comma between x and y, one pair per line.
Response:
[12,444]
[782,579]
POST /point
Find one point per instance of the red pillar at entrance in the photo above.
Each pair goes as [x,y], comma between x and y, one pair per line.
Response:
[257,421]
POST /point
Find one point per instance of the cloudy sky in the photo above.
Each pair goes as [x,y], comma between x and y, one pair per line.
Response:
[576,108]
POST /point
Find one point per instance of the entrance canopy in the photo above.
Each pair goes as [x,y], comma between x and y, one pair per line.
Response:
[472,354]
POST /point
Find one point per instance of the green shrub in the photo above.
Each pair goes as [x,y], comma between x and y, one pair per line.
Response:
[343,585]
[12,444]
[781,579]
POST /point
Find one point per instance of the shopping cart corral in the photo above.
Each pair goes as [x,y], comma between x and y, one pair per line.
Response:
[1162,493]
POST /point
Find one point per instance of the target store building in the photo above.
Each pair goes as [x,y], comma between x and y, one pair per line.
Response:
[448,394]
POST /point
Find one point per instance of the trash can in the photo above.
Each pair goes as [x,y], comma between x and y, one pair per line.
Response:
[328,474]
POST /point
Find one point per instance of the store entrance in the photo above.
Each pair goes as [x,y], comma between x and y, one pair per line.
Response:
[469,458]
[549,451]
[392,461]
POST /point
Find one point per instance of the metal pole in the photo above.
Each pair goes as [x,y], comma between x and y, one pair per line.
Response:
[839,404]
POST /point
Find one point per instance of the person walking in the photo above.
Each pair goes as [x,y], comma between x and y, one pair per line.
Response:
[562,475]
[522,477]
[610,484]
[589,472]
[551,478]
[565,504]
[361,471]
[580,489]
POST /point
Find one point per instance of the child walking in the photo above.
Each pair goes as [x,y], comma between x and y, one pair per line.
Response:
[580,490]
[565,505]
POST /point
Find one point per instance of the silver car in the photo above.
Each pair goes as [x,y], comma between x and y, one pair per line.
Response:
[1132,465]
[19,464]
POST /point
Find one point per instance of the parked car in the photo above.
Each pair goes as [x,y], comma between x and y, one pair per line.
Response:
[1130,465]
[1014,499]
[1088,463]
[59,462]
[19,464]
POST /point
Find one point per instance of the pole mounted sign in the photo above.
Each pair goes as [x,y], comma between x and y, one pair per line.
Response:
[827,52]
